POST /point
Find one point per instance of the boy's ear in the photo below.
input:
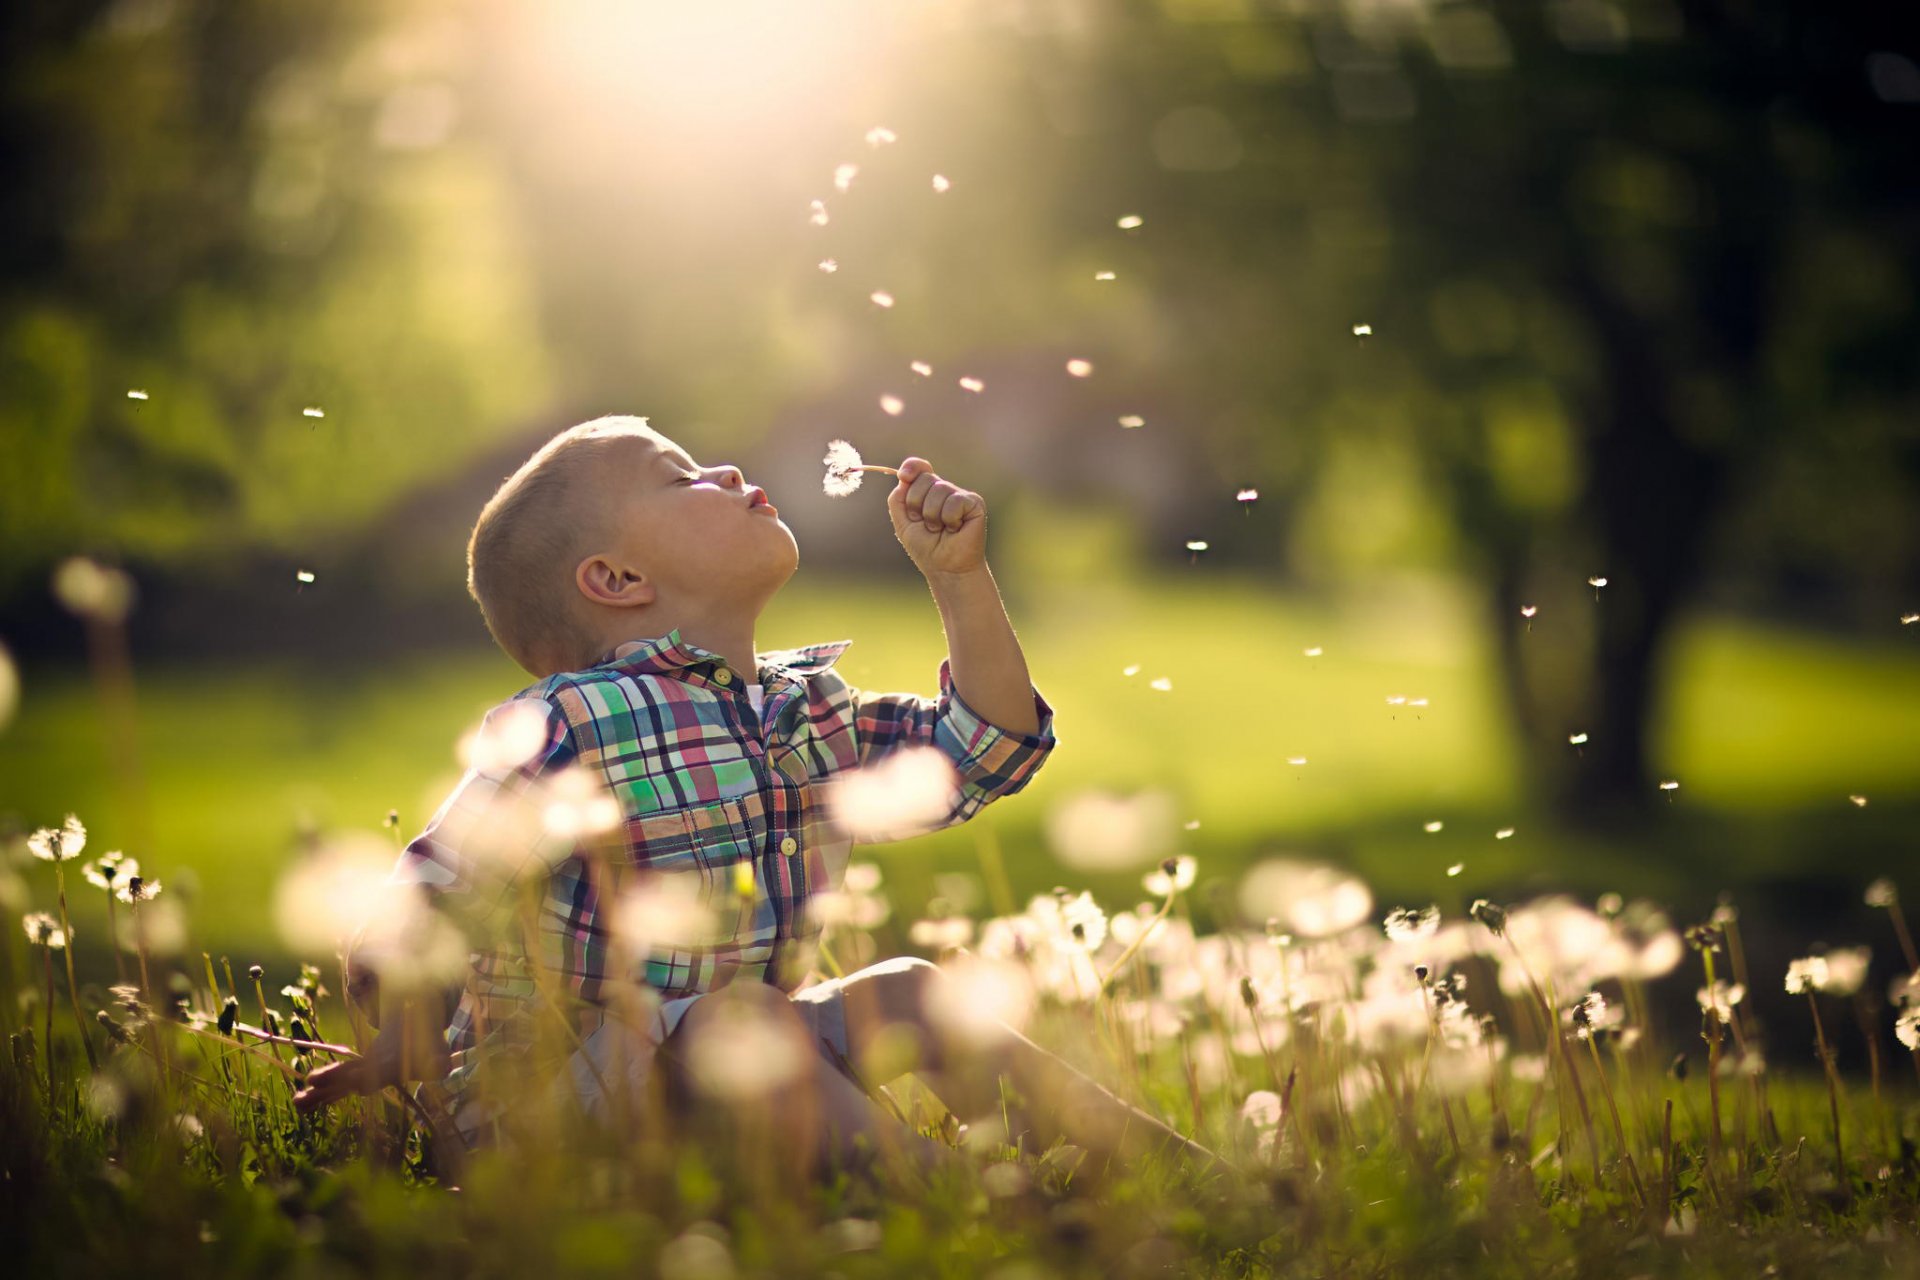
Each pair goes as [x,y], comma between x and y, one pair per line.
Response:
[604,582]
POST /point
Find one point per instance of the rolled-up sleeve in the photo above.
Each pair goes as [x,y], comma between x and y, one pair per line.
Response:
[991,761]
[490,834]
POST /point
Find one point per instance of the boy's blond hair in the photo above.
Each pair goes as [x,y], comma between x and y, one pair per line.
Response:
[529,536]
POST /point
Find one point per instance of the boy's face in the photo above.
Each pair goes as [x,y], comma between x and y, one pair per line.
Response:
[700,533]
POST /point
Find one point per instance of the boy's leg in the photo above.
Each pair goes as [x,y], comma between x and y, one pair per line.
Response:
[1061,1102]
[821,1119]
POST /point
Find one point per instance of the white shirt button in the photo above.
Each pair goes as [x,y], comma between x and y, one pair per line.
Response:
[723,676]
[789,844]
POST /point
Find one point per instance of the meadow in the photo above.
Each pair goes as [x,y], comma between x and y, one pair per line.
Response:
[1496,1084]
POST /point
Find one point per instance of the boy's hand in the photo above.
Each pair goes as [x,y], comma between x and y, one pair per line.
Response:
[410,1047]
[942,526]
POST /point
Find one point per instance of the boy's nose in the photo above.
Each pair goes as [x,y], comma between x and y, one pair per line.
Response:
[732,477]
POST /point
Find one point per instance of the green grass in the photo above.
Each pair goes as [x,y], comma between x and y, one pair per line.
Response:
[1762,726]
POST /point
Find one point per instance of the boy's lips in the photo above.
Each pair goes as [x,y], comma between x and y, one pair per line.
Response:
[757,499]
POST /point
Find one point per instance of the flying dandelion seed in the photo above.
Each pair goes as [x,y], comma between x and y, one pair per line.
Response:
[9,686]
[1433,828]
[1596,584]
[1908,619]
[880,136]
[1670,785]
[1416,702]
[818,212]
[845,470]
[843,176]
[1314,652]
[1195,547]
[1363,331]
[881,298]
[1397,700]
[1504,833]
[1131,669]
[313,411]
[1080,368]
[1246,498]
[972,384]
[829,266]
[1528,610]
[1858,801]
[1194,825]
[1131,222]
[1132,420]
[1103,275]
[136,394]
[892,405]
[1296,760]
[922,368]
[303,576]
[940,184]
[1161,683]
[1456,868]
[1577,739]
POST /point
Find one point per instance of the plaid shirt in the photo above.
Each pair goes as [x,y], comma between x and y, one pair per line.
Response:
[702,784]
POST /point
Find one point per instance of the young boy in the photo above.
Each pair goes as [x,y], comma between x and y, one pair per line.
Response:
[627,577]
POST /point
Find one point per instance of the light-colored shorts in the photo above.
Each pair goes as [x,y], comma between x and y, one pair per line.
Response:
[623,1058]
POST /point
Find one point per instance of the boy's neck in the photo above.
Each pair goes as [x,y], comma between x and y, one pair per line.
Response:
[732,642]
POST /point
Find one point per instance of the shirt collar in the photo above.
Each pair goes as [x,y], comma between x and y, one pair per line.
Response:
[663,654]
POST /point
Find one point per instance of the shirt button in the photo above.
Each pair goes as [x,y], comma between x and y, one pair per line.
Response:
[789,844]
[723,676]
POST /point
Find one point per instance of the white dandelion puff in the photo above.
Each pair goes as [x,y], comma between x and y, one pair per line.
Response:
[1857,800]
[972,384]
[1132,420]
[1131,222]
[1363,331]
[1161,683]
[940,184]
[313,411]
[829,265]
[1080,368]
[1456,868]
[892,406]
[881,298]
[922,368]
[303,575]
[1103,275]
[817,212]
[1131,669]
[845,470]
[1577,739]
[880,136]
[1313,651]
[843,176]
[1504,833]
[1434,827]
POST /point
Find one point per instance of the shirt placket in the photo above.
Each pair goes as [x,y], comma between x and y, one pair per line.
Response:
[770,878]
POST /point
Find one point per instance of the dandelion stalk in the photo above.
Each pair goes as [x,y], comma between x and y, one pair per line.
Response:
[1152,924]
[1619,1130]
[1833,1086]
[47,953]
[66,952]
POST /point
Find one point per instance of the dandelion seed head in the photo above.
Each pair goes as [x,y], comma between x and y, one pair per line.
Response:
[90,589]
[1098,830]
[1409,924]
[59,844]
[817,212]
[1197,545]
[303,575]
[109,869]
[43,930]
[1173,875]
[1882,893]
[1906,1028]
[1528,610]
[1311,899]
[981,997]
[1363,331]
[136,394]
[843,176]
[906,792]
[313,411]
[1296,760]
[881,298]
[578,804]
[1313,651]
[880,136]
[508,736]
[1576,739]
[1247,495]
[1103,275]
[892,406]
[942,934]
[1131,669]
[1161,683]
[922,368]
[1504,833]
[940,184]
[1434,827]
[1080,368]
[829,265]
[1131,222]
[1397,700]
[1456,868]
[972,384]
[1596,583]
[843,469]
[1908,619]
[1416,702]
[1132,420]
[1670,785]
[1857,800]
[1806,975]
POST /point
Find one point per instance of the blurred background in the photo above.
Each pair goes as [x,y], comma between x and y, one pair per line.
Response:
[1424,318]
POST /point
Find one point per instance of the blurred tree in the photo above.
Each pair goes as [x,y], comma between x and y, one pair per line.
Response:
[240,271]
[1613,259]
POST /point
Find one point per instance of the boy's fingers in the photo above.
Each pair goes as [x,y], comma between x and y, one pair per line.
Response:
[917,492]
[331,1083]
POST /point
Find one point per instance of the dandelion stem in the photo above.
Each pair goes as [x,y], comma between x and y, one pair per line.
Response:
[1619,1130]
[1833,1088]
[1139,938]
[66,953]
[47,953]
[1906,939]
[113,940]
